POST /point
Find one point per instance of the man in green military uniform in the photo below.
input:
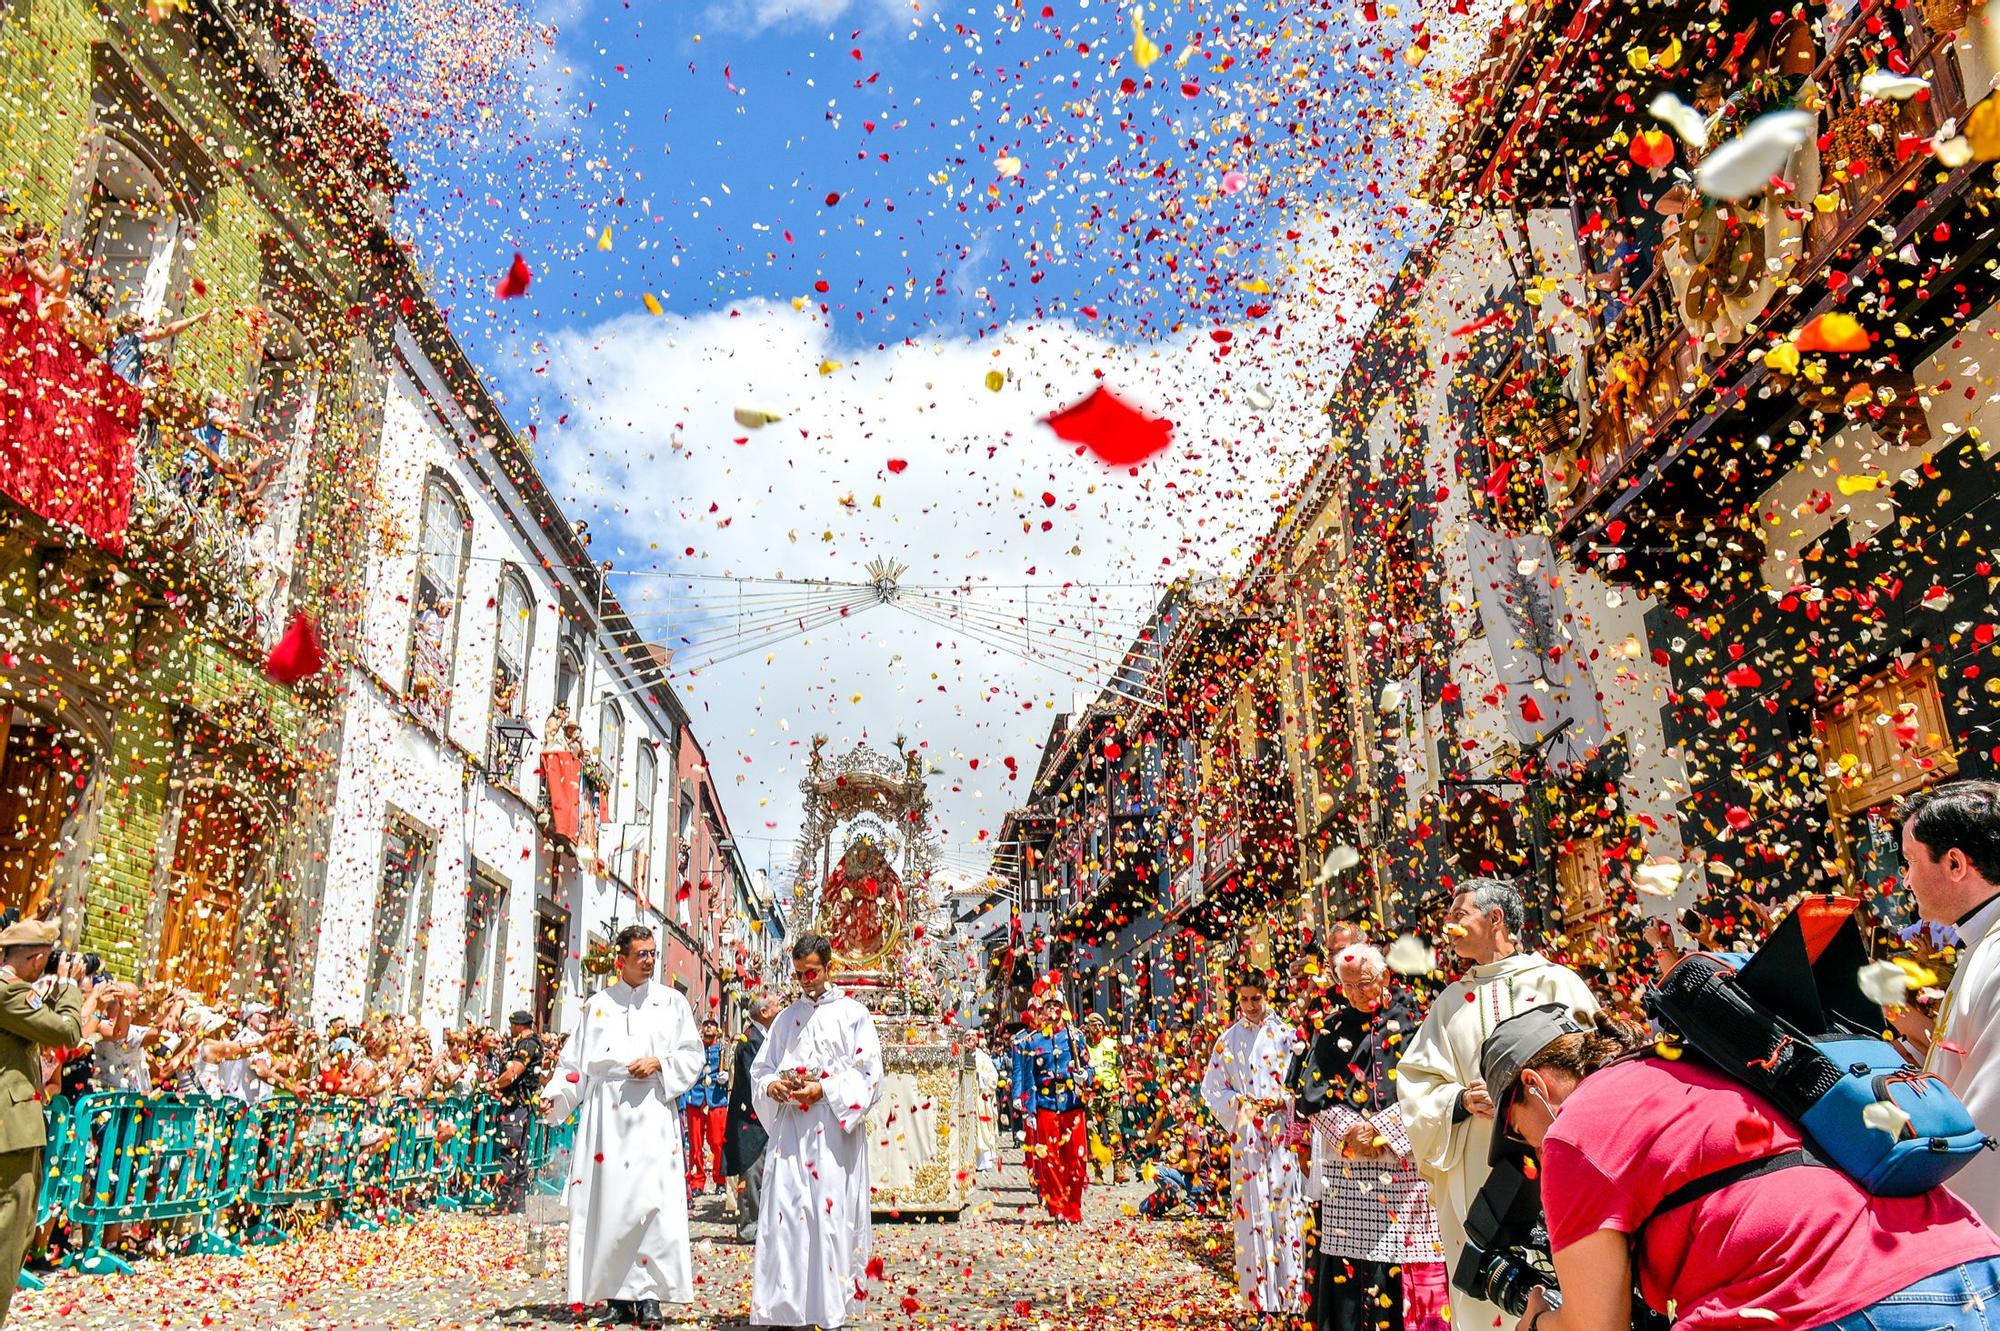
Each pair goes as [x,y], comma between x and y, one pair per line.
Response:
[36,1009]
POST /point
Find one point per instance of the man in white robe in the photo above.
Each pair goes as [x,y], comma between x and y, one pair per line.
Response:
[814,1080]
[1245,1089]
[1444,1103]
[1951,846]
[637,1049]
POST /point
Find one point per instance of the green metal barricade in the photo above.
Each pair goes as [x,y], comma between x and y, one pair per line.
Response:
[116,1158]
[141,1159]
[483,1149]
[304,1151]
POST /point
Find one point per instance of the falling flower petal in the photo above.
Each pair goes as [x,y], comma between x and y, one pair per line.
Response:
[1745,165]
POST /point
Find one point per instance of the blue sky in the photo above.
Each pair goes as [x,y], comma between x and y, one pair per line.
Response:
[1201,242]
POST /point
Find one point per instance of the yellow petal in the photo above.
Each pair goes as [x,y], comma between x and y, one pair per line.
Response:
[1143,48]
[1982,130]
[1639,58]
[652,303]
[604,239]
[995,380]
[827,367]
[1783,358]
[1858,484]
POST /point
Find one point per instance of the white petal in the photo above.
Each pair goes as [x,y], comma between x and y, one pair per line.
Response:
[1681,118]
[1338,861]
[1884,982]
[1259,399]
[751,418]
[1744,166]
[1409,956]
[1658,878]
[1392,694]
[1885,1117]
[1884,86]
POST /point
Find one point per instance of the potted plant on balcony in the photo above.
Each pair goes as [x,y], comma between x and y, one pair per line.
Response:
[599,958]
[1535,409]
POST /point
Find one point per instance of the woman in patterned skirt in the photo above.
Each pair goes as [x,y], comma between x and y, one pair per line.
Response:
[1379,1266]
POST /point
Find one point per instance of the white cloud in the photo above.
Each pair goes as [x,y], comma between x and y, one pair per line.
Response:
[650,451]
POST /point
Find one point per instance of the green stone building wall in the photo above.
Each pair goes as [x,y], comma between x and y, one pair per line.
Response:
[185,677]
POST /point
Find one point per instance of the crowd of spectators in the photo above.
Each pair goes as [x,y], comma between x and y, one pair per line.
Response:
[161,1039]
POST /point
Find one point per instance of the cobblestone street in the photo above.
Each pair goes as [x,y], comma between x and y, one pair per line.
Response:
[999,1266]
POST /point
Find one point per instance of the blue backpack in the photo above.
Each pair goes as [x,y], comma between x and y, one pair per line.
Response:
[1754,1018]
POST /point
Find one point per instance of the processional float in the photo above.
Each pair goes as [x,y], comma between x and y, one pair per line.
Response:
[864,876]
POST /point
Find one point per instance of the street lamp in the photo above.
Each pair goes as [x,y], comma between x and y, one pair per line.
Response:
[510,745]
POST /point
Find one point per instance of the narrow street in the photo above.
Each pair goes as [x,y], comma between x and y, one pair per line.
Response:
[999,1266]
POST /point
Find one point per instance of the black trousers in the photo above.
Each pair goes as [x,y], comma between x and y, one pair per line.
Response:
[516,1121]
[1348,1295]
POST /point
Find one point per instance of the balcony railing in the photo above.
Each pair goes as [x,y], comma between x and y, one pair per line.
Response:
[199,548]
[1651,369]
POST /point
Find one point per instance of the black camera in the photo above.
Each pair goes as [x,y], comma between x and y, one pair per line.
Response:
[1506,1246]
[93,965]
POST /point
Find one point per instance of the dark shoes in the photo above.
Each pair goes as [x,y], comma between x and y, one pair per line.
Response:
[617,1312]
[648,1313]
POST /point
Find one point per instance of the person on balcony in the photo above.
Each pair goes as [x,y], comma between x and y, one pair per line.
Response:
[126,354]
[209,457]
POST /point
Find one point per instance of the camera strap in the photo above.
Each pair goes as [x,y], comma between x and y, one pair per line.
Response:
[1722,1178]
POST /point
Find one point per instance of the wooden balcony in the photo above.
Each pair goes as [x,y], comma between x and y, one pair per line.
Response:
[1669,409]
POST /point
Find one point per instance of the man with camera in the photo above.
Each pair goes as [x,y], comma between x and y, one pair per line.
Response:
[1446,1106]
[37,1009]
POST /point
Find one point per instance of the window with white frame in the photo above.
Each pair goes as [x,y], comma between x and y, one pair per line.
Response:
[485,945]
[513,640]
[569,679]
[611,748]
[131,232]
[645,780]
[401,933]
[441,556]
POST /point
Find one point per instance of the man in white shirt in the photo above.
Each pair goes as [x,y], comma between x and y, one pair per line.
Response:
[1245,1089]
[636,1051]
[1445,1106]
[1951,847]
[814,1080]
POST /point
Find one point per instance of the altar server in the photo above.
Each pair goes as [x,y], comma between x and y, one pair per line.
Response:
[1245,1089]
[627,1063]
[814,1080]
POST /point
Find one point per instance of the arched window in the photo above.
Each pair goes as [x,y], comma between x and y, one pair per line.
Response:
[610,748]
[441,554]
[131,232]
[569,680]
[514,638]
[645,785]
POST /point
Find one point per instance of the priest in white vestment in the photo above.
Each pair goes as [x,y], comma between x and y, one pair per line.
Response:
[636,1050]
[1951,847]
[814,1080]
[1245,1089]
[1444,1103]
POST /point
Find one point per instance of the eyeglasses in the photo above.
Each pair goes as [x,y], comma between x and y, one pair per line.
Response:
[646,956]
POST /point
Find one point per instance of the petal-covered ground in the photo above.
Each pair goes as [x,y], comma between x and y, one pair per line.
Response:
[999,1266]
